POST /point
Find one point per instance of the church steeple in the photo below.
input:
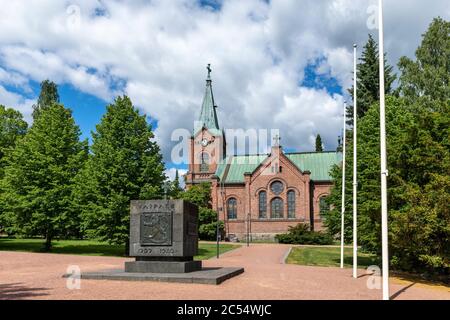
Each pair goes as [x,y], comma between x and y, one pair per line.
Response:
[208,115]
[207,145]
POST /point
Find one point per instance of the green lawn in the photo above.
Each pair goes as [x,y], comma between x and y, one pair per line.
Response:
[94,248]
[329,257]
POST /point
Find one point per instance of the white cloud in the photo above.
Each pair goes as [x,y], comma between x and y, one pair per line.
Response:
[38,65]
[12,78]
[159,49]
[339,64]
[16,101]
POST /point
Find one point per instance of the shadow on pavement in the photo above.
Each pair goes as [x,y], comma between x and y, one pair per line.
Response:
[399,292]
[16,291]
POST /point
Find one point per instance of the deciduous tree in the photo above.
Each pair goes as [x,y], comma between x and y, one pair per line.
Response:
[12,128]
[125,164]
[38,182]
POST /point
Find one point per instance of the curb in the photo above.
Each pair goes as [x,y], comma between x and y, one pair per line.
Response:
[286,255]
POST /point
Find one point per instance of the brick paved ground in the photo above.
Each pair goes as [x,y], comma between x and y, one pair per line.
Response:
[38,276]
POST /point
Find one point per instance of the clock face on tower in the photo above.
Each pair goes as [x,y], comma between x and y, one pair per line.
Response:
[205,142]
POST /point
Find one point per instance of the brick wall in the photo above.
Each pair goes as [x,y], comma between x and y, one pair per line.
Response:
[215,152]
[247,196]
[276,168]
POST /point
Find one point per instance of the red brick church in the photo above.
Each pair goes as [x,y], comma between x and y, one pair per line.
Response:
[260,195]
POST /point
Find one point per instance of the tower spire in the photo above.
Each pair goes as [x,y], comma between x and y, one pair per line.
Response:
[208,116]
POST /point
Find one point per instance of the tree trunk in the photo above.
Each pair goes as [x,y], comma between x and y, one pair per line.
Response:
[48,242]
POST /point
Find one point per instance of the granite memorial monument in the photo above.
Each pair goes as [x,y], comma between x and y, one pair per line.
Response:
[164,241]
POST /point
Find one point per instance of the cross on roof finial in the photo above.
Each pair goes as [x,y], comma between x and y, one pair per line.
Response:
[277,139]
[209,70]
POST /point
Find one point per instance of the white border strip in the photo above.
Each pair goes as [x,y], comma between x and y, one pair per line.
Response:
[286,255]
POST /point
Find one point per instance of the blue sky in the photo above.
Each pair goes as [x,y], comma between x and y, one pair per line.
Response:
[276,65]
[87,109]
[317,80]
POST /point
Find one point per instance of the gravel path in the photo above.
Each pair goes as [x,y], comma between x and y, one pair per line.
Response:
[38,276]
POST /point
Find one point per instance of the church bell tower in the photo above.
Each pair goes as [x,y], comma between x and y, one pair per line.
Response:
[207,144]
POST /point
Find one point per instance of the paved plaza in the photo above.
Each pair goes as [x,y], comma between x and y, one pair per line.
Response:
[39,276]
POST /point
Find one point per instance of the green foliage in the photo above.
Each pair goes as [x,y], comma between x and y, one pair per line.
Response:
[333,217]
[48,96]
[200,195]
[301,234]
[429,75]
[414,162]
[125,164]
[12,128]
[368,77]
[319,144]
[208,224]
[418,149]
[175,188]
[39,178]
[329,257]
[421,215]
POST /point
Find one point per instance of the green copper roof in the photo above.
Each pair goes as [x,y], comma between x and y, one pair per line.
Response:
[221,166]
[233,168]
[236,166]
[318,163]
[208,115]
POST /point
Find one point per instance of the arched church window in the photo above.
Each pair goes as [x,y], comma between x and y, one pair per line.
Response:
[232,208]
[291,204]
[204,162]
[277,208]
[277,187]
[324,206]
[263,205]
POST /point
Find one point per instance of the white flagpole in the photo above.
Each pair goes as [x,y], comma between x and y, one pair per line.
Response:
[343,188]
[355,183]
[384,171]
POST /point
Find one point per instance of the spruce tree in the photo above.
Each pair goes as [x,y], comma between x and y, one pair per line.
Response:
[125,164]
[340,144]
[368,80]
[38,181]
[319,145]
[48,96]
[176,188]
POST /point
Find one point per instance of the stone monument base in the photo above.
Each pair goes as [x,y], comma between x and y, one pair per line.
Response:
[164,242]
[214,276]
[162,265]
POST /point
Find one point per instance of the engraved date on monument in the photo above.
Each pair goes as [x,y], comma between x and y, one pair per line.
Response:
[145,251]
[161,251]
[166,251]
[156,229]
